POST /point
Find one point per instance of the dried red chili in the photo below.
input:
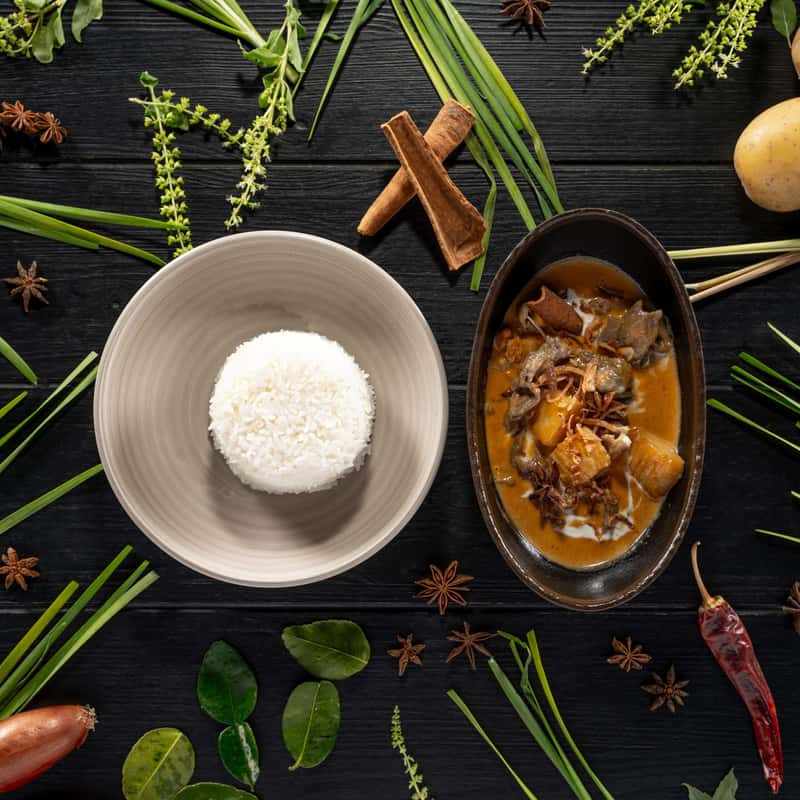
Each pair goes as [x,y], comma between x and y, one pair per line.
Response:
[727,638]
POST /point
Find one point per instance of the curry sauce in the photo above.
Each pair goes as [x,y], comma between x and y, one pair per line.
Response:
[582,413]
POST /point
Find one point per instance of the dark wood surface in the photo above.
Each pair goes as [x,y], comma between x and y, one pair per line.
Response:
[622,139]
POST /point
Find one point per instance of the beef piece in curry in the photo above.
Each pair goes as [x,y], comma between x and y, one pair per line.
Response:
[583,413]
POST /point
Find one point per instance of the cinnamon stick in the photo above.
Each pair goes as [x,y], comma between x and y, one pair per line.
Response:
[449,128]
[458,225]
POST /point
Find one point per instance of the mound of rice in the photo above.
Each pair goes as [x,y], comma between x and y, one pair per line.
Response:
[292,412]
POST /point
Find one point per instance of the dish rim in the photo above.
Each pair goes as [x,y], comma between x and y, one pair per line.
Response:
[476,391]
[184,262]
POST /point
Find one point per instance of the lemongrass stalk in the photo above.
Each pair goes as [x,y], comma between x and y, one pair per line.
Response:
[763,388]
[479,144]
[453,27]
[466,93]
[316,41]
[698,286]
[793,539]
[51,398]
[29,509]
[87,631]
[465,710]
[533,646]
[716,404]
[76,392]
[444,87]
[363,11]
[537,732]
[767,370]
[17,361]
[87,214]
[489,64]
[784,338]
[12,404]
[43,233]
[34,658]
[755,248]
[35,631]
[53,225]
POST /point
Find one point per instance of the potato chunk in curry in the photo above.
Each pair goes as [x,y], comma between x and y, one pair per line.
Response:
[552,416]
[581,457]
[655,463]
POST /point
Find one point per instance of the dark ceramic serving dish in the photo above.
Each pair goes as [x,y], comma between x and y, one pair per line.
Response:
[612,237]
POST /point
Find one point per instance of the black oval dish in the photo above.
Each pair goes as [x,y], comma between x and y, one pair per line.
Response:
[619,240]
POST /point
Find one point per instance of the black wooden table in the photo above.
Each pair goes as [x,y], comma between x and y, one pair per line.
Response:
[623,140]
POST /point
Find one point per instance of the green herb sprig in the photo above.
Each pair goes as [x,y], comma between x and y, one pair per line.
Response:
[36,28]
[727,790]
[416,782]
[721,44]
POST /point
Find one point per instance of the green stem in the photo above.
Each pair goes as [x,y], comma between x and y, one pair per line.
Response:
[793,539]
[322,27]
[87,214]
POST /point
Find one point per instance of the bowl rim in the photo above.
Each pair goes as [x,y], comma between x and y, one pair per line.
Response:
[184,262]
[475,392]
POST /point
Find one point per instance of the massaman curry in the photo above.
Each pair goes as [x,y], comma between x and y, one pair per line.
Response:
[583,413]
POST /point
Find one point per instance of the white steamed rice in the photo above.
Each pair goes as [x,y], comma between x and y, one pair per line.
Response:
[292,412]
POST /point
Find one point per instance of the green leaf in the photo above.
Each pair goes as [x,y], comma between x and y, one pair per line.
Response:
[85,13]
[727,788]
[784,17]
[42,44]
[226,687]
[56,26]
[160,764]
[16,361]
[696,794]
[213,791]
[263,56]
[147,80]
[239,753]
[311,723]
[333,649]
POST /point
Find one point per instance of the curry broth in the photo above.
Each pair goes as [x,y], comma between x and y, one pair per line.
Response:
[656,409]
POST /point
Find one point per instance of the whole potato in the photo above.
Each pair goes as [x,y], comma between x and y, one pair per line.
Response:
[767,157]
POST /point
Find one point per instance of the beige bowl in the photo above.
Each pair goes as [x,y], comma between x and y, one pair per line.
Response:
[155,380]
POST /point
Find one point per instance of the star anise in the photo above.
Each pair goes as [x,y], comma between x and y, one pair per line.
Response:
[628,656]
[50,129]
[666,691]
[793,606]
[530,12]
[468,643]
[444,586]
[407,653]
[16,569]
[18,118]
[28,284]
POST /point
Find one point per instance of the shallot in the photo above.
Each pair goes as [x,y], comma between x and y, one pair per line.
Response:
[33,741]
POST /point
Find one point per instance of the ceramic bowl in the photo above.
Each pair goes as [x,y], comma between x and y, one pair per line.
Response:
[615,238]
[155,380]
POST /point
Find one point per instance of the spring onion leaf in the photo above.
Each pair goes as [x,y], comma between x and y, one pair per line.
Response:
[44,233]
[716,404]
[28,510]
[364,10]
[17,361]
[533,646]
[465,710]
[12,404]
[51,398]
[779,535]
[87,214]
[767,370]
[74,393]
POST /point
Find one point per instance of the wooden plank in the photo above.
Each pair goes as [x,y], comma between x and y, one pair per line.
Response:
[143,670]
[579,118]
